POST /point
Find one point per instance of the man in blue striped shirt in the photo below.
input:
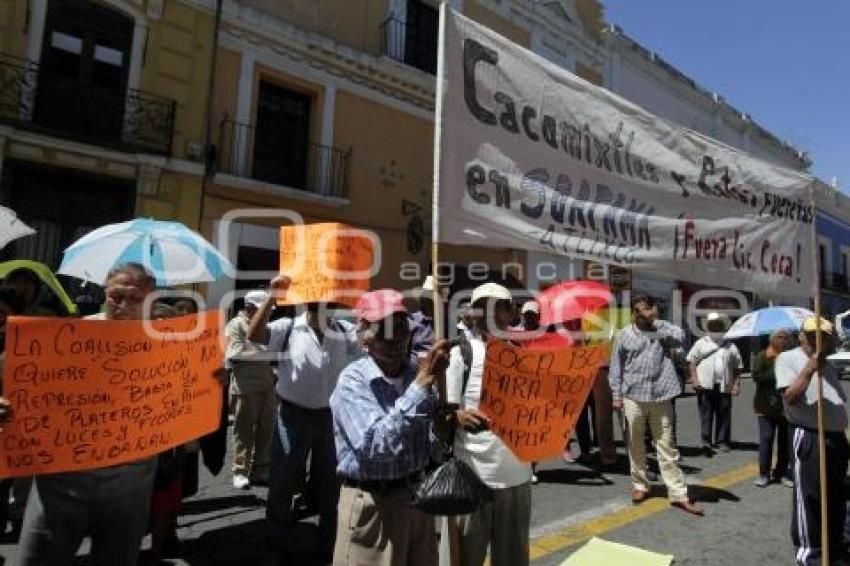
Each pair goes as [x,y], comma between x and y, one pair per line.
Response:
[383,410]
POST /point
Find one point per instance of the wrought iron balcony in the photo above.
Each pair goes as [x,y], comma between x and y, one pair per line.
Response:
[314,168]
[411,45]
[127,119]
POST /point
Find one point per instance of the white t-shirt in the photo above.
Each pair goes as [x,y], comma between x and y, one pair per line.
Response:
[718,367]
[484,452]
[308,370]
[804,412]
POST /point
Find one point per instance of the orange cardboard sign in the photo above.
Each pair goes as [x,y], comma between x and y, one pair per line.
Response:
[534,396]
[328,262]
[94,393]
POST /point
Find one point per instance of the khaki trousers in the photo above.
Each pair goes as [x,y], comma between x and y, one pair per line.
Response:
[253,425]
[660,417]
[382,529]
[500,525]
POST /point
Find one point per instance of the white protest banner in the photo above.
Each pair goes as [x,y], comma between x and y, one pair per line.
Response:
[529,156]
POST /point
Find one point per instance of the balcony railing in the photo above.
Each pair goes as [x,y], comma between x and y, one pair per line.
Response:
[126,119]
[319,169]
[411,45]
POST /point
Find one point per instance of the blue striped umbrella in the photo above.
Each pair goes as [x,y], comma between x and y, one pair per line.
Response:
[765,321]
[173,253]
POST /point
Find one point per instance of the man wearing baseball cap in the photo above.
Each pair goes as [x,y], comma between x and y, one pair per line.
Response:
[797,372]
[383,410]
[252,398]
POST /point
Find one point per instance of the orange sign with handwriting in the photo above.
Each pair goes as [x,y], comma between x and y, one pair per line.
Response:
[94,393]
[534,396]
[328,262]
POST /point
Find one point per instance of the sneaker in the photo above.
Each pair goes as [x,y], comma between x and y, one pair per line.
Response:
[762,481]
[534,480]
[724,448]
[787,482]
[568,456]
[241,482]
[706,450]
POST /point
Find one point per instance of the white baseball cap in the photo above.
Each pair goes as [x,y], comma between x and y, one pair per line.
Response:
[490,291]
[256,298]
[530,306]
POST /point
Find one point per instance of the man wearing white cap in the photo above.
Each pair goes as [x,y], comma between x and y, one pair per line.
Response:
[715,369]
[252,398]
[501,524]
[530,316]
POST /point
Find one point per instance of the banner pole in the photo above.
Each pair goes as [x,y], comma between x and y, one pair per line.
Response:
[439,316]
[824,537]
[451,532]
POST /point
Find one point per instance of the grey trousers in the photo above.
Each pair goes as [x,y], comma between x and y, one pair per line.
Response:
[501,524]
[111,505]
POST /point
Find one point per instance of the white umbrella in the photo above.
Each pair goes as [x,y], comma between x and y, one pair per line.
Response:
[170,251]
[11,227]
[765,321]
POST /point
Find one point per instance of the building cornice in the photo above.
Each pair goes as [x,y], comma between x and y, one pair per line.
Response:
[106,155]
[380,74]
[649,62]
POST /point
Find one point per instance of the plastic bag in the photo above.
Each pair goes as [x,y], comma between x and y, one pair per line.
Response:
[451,489]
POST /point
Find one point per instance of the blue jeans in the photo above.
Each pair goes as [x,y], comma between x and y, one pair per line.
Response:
[109,504]
[300,432]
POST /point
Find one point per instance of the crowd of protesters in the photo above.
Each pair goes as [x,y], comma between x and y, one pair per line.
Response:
[345,413]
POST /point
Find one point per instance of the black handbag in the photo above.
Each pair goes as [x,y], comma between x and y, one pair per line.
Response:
[451,489]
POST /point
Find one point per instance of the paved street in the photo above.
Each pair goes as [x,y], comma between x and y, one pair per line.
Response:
[743,524]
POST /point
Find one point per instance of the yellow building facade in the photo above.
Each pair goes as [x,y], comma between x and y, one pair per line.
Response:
[287,109]
[102,115]
[326,110]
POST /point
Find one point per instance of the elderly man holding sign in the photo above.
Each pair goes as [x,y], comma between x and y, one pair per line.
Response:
[111,505]
[312,351]
[383,411]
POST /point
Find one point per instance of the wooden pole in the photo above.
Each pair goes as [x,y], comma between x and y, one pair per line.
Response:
[824,536]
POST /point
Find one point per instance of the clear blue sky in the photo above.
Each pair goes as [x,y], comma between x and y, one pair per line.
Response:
[785,63]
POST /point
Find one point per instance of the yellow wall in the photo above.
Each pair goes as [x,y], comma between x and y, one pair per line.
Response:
[494,21]
[392,158]
[13,18]
[226,88]
[589,74]
[355,23]
[591,14]
[177,198]
[177,66]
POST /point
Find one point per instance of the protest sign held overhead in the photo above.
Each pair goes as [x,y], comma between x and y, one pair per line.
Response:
[530,156]
[328,262]
[94,393]
[534,396]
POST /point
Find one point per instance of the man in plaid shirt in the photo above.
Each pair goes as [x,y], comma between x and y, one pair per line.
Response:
[643,384]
